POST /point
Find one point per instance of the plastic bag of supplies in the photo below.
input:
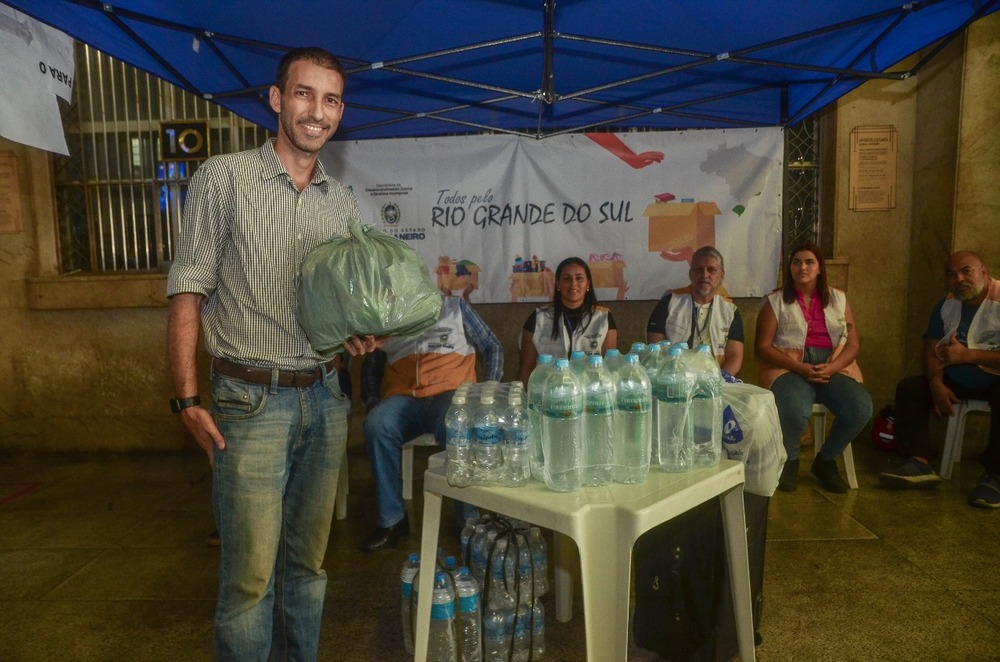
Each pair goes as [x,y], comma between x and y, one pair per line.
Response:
[368,283]
[751,433]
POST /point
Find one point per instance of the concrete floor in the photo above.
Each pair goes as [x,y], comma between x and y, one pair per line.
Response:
[103,558]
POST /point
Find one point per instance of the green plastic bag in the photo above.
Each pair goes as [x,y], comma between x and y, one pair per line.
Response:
[368,283]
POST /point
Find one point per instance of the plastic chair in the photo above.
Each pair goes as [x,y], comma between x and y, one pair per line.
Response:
[956,431]
[819,436]
[407,468]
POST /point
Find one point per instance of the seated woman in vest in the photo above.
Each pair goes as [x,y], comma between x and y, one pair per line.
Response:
[573,321]
[806,344]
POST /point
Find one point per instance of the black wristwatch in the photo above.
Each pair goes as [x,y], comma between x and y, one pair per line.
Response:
[177,405]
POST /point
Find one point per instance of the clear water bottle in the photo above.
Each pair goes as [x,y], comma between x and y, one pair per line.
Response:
[503,576]
[613,359]
[539,561]
[538,631]
[674,384]
[449,564]
[486,436]
[516,443]
[578,363]
[458,436]
[441,646]
[496,643]
[640,349]
[470,646]
[466,537]
[525,582]
[482,542]
[653,359]
[651,364]
[406,581]
[599,422]
[536,385]
[562,429]
[706,408]
[522,634]
[633,423]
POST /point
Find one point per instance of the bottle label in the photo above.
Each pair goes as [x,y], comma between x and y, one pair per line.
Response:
[487,435]
[406,589]
[462,437]
[440,612]
[468,603]
[562,408]
[635,405]
[599,408]
[516,436]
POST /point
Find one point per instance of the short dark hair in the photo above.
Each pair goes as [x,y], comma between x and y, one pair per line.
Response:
[788,287]
[314,54]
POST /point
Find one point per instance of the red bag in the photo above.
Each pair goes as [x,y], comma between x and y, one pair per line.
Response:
[884,429]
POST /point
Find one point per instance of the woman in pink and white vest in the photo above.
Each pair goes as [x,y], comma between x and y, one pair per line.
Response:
[806,344]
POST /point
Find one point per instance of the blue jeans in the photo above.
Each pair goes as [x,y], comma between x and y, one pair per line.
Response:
[394,421]
[273,489]
[846,399]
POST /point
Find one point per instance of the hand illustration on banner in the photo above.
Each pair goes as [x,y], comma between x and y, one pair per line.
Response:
[683,255]
[613,144]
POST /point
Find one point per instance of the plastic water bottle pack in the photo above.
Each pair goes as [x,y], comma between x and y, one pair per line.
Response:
[489,435]
[510,556]
[588,421]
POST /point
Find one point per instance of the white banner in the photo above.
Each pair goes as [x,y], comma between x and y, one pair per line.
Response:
[498,213]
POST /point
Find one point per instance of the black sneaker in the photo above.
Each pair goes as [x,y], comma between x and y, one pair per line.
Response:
[987,492]
[789,479]
[911,474]
[826,471]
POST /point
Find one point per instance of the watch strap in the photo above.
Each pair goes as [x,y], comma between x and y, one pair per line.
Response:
[177,405]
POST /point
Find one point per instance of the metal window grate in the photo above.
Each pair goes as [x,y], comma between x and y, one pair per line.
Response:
[801,186]
[118,204]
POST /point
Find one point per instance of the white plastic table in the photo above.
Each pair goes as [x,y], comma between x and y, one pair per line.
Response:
[605,523]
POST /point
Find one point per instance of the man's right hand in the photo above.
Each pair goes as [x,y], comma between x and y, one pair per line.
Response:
[200,423]
[943,398]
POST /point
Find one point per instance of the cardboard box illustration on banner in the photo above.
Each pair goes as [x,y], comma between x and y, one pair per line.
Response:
[457,275]
[681,227]
[537,284]
[609,273]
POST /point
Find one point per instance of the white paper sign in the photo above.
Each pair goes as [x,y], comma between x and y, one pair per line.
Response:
[36,66]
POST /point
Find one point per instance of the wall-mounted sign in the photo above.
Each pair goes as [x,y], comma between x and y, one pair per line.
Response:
[10,195]
[184,141]
[873,168]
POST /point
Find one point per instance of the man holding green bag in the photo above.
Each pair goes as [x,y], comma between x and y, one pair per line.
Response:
[277,430]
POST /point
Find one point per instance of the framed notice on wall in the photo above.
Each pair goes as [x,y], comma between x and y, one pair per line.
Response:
[873,168]
[10,195]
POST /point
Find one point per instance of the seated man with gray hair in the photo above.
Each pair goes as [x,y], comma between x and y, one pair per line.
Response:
[699,315]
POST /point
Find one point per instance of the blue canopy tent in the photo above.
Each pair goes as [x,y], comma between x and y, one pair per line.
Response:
[533,68]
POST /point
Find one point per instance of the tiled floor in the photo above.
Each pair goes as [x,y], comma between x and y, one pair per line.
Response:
[102,558]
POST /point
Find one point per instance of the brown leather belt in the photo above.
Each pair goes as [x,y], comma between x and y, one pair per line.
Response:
[256,375]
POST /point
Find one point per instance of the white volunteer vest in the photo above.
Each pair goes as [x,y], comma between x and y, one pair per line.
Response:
[589,338]
[680,321]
